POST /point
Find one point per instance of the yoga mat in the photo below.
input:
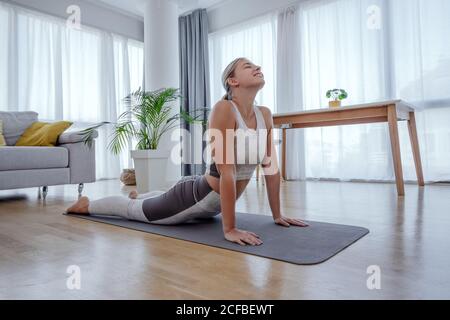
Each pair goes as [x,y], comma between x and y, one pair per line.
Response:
[309,245]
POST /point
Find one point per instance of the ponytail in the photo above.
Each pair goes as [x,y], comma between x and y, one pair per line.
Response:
[228,72]
[228,95]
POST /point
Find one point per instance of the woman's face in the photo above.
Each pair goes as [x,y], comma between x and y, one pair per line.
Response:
[247,75]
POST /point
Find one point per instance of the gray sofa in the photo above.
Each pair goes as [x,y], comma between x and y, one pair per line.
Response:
[71,161]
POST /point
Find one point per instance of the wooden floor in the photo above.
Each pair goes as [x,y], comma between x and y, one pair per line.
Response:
[409,240]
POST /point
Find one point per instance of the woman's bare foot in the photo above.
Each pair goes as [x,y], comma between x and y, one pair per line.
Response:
[81,206]
[133,194]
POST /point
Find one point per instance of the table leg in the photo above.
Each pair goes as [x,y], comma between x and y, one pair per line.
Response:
[283,154]
[395,146]
[415,148]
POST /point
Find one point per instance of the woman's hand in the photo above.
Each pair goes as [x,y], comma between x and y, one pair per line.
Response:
[286,222]
[243,237]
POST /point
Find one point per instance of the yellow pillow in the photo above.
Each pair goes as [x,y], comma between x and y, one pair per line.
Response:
[43,134]
[2,138]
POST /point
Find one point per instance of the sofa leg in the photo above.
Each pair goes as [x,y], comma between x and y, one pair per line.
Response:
[80,189]
[44,191]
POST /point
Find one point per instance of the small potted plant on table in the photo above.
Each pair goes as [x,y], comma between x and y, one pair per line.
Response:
[337,95]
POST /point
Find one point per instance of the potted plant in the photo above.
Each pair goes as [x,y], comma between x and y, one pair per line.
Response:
[337,95]
[147,118]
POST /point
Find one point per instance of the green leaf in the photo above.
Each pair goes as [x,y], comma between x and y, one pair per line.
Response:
[147,117]
[87,134]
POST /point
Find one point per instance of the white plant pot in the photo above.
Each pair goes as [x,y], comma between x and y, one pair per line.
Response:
[150,168]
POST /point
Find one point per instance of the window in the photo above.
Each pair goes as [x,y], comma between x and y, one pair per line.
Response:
[66,73]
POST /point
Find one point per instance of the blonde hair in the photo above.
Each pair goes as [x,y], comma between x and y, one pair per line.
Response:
[227,73]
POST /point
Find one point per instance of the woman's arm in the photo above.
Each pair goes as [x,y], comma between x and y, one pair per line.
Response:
[228,196]
[228,206]
[270,167]
[221,126]
[272,175]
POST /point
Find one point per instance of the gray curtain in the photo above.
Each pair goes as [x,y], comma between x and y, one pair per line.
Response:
[194,79]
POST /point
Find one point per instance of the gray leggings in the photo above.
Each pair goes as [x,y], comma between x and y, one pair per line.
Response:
[189,198]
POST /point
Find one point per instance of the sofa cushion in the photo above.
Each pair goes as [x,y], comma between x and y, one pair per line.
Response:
[21,158]
[15,123]
[42,134]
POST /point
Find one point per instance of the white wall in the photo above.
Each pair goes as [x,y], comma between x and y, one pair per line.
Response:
[237,11]
[92,15]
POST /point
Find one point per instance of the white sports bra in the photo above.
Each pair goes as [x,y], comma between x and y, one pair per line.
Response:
[249,146]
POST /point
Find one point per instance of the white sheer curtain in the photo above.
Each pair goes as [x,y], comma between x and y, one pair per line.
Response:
[407,56]
[289,87]
[65,73]
[254,40]
[375,49]
[340,51]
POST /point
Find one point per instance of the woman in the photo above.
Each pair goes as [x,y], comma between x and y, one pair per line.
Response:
[217,190]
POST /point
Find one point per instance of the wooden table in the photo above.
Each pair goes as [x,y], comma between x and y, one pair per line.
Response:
[385,111]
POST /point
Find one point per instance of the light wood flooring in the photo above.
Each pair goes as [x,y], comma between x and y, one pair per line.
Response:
[409,240]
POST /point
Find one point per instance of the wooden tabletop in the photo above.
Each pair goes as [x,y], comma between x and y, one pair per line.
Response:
[400,104]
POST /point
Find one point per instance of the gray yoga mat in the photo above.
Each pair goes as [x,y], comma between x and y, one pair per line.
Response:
[311,245]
